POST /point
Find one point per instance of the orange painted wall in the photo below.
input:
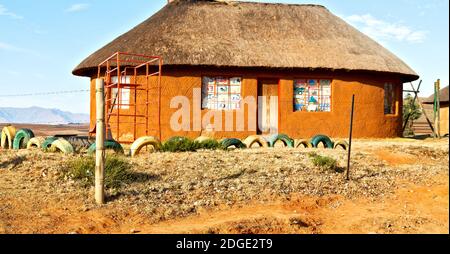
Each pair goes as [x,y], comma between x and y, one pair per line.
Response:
[370,120]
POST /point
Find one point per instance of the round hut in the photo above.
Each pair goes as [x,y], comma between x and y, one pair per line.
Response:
[300,63]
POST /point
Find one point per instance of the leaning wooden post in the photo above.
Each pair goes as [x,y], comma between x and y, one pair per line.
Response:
[100,142]
[350,138]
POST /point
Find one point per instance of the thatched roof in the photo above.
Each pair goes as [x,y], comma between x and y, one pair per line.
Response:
[247,34]
[443,96]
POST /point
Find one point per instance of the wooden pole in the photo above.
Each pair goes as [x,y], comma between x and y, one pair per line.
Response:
[416,97]
[438,108]
[350,138]
[100,142]
[434,111]
[423,109]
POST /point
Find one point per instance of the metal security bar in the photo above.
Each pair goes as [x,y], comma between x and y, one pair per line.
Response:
[137,75]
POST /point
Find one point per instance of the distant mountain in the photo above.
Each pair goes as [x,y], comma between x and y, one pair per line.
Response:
[36,115]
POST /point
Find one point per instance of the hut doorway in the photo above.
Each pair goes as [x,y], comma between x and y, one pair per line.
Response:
[268,106]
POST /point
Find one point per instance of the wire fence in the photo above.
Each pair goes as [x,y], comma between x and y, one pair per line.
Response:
[44,93]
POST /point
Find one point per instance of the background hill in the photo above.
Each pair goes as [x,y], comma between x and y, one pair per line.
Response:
[37,115]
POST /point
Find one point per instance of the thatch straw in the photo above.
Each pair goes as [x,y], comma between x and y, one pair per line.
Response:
[246,34]
[443,96]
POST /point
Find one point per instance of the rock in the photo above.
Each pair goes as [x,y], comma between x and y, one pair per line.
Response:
[134,231]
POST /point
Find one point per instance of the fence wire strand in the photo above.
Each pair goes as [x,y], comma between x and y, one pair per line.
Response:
[44,93]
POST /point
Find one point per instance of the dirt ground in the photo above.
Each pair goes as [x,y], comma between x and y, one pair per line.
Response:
[397,186]
[51,130]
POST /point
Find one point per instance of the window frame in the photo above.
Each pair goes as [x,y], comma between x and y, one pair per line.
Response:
[395,102]
[318,80]
[229,85]
[127,90]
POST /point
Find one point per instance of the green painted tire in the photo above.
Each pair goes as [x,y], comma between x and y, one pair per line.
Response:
[21,139]
[228,142]
[289,142]
[109,145]
[316,140]
[48,143]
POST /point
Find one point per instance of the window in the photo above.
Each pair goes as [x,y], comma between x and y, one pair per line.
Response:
[312,95]
[124,93]
[389,99]
[221,93]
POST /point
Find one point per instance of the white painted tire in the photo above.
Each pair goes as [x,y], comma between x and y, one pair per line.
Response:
[35,143]
[341,143]
[7,137]
[302,142]
[251,140]
[143,142]
[62,145]
[203,139]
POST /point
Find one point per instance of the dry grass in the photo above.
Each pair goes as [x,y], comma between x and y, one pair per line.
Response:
[175,185]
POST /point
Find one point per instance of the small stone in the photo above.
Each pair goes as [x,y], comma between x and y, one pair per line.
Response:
[134,231]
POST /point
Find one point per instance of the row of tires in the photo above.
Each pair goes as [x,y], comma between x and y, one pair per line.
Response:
[249,142]
[25,139]
[261,141]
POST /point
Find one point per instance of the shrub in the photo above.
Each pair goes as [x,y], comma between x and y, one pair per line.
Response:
[324,162]
[411,112]
[208,145]
[179,145]
[182,144]
[117,171]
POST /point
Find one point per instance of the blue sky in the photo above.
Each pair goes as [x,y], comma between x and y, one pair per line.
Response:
[42,41]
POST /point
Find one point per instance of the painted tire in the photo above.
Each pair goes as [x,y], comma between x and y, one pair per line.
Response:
[229,142]
[7,137]
[35,143]
[48,143]
[80,142]
[142,142]
[303,142]
[62,145]
[251,140]
[287,141]
[341,143]
[203,139]
[109,145]
[21,139]
[316,140]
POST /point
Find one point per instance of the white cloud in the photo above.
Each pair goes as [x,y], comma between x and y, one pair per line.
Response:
[11,48]
[13,73]
[382,30]
[77,7]
[5,12]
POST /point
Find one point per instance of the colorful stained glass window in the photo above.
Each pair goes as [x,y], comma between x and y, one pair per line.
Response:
[221,93]
[312,95]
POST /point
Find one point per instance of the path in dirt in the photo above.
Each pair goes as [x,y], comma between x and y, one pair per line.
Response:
[413,209]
